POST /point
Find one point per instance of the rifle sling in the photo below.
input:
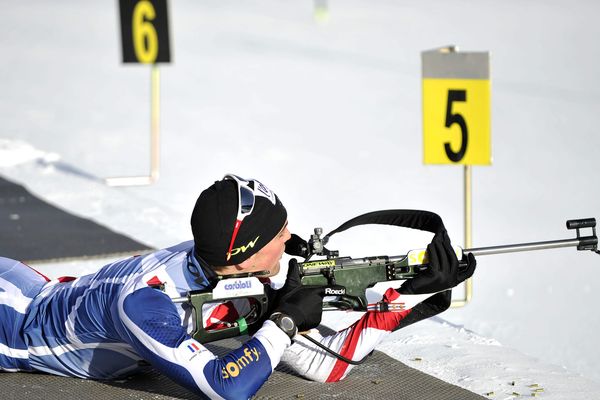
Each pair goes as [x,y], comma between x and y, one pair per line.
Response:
[414,219]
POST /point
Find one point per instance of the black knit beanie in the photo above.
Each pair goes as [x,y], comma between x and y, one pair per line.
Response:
[214,218]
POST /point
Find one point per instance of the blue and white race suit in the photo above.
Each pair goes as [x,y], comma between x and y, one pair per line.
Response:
[103,325]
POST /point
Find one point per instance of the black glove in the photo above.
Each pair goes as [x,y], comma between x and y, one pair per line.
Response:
[443,271]
[292,281]
[296,246]
[274,296]
[304,304]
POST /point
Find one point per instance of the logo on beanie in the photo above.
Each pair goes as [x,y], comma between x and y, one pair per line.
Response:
[242,249]
[265,192]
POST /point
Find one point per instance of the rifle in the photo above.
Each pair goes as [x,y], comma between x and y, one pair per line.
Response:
[352,276]
[347,279]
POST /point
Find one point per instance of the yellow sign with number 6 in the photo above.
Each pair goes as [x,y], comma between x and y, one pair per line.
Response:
[145,39]
[456,111]
[144,31]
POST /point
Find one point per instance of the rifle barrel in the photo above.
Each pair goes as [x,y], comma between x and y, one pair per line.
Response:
[513,248]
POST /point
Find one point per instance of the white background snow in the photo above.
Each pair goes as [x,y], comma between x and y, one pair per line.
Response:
[329,116]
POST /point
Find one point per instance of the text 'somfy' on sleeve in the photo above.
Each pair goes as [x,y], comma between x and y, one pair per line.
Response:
[150,323]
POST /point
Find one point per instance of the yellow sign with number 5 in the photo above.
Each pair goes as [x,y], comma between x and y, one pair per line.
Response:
[456,111]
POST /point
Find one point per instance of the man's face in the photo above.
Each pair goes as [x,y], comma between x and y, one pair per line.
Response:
[268,258]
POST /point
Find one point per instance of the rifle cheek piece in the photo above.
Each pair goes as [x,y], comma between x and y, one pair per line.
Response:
[228,289]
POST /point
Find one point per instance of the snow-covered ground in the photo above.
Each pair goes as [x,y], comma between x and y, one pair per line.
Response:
[329,116]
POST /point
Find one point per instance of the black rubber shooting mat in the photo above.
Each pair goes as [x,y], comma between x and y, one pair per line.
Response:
[380,377]
[33,230]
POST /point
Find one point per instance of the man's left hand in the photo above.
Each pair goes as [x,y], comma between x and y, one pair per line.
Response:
[443,271]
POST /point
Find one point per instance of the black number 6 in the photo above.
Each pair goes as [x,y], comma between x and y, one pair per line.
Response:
[452,118]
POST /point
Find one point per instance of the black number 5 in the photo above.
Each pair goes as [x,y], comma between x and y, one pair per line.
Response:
[452,118]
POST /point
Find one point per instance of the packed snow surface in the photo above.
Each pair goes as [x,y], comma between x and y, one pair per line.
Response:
[329,116]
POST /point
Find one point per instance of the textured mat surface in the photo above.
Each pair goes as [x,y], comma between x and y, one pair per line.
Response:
[381,377]
[33,230]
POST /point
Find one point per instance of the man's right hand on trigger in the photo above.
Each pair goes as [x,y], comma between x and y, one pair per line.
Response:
[304,304]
